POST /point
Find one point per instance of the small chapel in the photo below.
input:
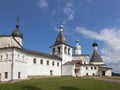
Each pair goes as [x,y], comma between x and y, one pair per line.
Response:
[17,62]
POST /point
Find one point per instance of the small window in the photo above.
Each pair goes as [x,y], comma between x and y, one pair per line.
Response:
[34,60]
[59,50]
[47,62]
[65,50]
[68,51]
[41,61]
[53,63]
[86,68]
[91,68]
[53,50]
[58,64]
[6,74]
[95,68]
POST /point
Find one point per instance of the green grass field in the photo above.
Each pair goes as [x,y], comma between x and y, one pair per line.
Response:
[61,83]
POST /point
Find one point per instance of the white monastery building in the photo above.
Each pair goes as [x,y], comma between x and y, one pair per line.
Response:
[17,62]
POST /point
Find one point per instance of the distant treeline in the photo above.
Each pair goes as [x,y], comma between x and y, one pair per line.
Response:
[115,74]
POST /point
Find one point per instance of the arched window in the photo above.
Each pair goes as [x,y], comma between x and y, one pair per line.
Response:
[34,60]
[65,50]
[68,51]
[58,64]
[41,61]
[53,63]
[47,62]
[58,49]
[53,51]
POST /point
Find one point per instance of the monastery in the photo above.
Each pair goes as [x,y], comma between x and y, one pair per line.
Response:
[17,62]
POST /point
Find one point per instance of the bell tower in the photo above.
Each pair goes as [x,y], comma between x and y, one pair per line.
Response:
[61,47]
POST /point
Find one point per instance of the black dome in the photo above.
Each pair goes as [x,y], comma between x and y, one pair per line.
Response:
[94,44]
[17,33]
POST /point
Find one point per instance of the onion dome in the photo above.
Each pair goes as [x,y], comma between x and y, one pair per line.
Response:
[94,44]
[77,47]
[17,33]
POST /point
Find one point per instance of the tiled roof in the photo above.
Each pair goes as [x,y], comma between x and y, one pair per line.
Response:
[61,38]
[34,52]
[71,62]
[96,57]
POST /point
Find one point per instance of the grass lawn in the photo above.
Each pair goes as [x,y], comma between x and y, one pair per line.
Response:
[61,83]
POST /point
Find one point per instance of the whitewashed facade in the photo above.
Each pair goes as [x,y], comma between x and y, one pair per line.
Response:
[17,62]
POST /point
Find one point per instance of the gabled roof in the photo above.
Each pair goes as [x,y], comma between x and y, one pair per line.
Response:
[72,62]
[34,52]
[96,57]
[41,54]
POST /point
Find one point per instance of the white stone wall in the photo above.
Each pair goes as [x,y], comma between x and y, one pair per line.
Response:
[65,56]
[108,72]
[19,64]
[67,70]
[18,61]
[5,64]
[37,69]
[28,68]
[91,71]
[8,41]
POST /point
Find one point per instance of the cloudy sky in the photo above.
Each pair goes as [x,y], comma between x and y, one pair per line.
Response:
[85,20]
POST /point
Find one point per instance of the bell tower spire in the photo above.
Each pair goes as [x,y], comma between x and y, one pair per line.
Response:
[96,58]
[61,47]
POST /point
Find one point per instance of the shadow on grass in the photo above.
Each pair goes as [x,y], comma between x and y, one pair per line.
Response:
[30,88]
[70,88]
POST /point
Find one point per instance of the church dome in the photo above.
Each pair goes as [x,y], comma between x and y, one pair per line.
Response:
[77,46]
[94,44]
[17,33]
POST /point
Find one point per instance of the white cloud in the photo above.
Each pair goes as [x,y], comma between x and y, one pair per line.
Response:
[43,3]
[111,39]
[69,12]
[56,29]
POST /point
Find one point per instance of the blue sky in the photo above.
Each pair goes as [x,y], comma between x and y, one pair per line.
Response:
[86,20]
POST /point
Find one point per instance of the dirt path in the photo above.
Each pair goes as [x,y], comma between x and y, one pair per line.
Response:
[107,79]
